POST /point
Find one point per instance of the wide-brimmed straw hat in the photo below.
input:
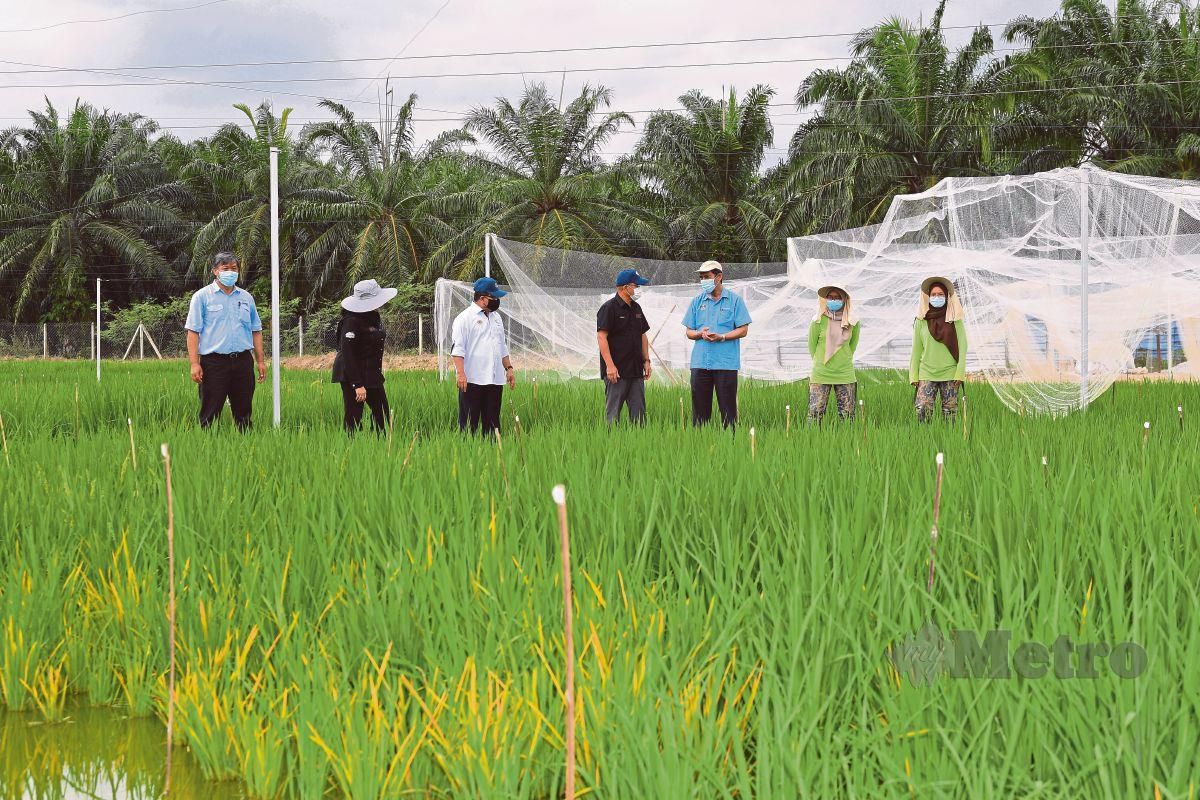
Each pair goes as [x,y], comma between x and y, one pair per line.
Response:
[368,296]
[824,291]
[928,283]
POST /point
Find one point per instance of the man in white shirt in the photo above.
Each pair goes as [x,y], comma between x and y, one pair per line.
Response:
[481,362]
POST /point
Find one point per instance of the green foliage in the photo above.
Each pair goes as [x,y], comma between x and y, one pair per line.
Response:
[378,618]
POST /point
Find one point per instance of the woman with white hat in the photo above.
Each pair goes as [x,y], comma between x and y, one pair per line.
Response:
[359,363]
[832,340]
[939,351]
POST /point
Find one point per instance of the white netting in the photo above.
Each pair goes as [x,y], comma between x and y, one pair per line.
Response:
[1012,245]
[550,314]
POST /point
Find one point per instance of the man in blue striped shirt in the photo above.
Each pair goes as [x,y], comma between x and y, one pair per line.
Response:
[716,320]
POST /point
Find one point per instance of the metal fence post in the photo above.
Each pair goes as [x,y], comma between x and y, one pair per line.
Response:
[301,336]
[420,336]
[45,342]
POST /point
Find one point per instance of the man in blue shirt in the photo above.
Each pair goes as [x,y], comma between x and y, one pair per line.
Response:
[222,327]
[716,320]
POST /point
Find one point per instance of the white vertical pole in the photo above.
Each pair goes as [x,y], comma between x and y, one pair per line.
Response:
[301,324]
[45,342]
[1170,315]
[97,330]
[1085,223]
[420,336]
[487,255]
[141,331]
[275,286]
[92,339]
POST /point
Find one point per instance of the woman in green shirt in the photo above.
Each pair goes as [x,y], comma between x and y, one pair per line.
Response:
[939,351]
[832,339]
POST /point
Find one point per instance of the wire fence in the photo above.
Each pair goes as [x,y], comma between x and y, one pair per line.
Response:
[407,333]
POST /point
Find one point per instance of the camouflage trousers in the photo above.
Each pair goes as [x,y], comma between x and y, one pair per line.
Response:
[926,399]
[818,399]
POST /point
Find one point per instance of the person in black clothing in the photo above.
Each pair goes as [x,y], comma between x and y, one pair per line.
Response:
[359,363]
[624,349]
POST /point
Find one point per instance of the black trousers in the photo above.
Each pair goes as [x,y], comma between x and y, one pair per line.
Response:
[724,381]
[227,377]
[353,410]
[479,407]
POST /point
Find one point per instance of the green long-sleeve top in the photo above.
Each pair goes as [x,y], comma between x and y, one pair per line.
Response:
[840,367]
[931,360]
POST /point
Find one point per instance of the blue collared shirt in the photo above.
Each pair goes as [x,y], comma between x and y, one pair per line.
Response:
[719,316]
[226,322]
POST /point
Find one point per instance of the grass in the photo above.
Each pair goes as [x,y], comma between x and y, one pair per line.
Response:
[357,625]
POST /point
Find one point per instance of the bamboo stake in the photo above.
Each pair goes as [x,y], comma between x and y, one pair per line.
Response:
[1145,434]
[411,445]
[787,424]
[166,455]
[500,458]
[862,410]
[752,444]
[390,428]
[4,438]
[534,379]
[1046,469]
[933,533]
[560,499]
[132,448]
[520,437]
[682,416]
[964,416]
[1179,409]
[77,419]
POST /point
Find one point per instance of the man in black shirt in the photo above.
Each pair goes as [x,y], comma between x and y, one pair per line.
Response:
[624,349]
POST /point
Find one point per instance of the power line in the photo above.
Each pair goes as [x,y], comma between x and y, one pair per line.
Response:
[113,19]
[412,39]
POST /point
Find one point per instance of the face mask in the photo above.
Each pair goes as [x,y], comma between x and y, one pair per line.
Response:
[708,284]
[227,277]
[637,294]
[834,305]
[493,304]
[937,301]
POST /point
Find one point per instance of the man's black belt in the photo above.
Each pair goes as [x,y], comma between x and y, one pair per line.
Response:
[230,356]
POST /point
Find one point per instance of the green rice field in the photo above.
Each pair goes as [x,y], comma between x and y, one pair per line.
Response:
[382,617]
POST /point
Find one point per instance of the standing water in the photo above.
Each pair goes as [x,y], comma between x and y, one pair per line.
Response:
[98,752]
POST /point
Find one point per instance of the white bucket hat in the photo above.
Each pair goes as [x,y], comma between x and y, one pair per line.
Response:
[368,296]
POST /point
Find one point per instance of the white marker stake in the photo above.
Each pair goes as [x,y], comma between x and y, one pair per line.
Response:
[933,533]
[132,449]
[787,425]
[1046,468]
[559,494]
[1180,410]
[1145,433]
[752,444]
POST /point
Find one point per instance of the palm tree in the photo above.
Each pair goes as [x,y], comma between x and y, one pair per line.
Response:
[705,162]
[378,215]
[904,114]
[1087,70]
[231,172]
[549,184]
[84,198]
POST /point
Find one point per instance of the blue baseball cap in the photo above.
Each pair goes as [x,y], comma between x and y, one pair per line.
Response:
[489,287]
[628,276]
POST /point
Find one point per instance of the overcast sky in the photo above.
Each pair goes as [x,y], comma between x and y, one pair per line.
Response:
[262,30]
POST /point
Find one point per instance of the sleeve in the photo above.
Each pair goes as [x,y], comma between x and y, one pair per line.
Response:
[741,314]
[645,322]
[351,357]
[255,320]
[689,317]
[813,333]
[604,318]
[854,331]
[458,344]
[914,365]
[961,329]
[195,316]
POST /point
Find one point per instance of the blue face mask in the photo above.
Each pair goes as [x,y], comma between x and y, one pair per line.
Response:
[937,300]
[227,277]
[834,305]
[708,284]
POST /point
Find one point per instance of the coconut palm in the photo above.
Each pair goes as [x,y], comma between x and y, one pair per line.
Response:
[549,184]
[84,198]
[377,217]
[705,162]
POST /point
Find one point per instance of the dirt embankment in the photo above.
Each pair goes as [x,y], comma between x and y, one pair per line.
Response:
[390,362]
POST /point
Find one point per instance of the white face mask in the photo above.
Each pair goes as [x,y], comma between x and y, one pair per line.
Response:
[637,295]
[708,284]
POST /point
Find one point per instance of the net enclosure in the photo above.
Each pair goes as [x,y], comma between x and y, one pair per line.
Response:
[1063,275]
